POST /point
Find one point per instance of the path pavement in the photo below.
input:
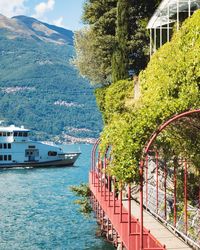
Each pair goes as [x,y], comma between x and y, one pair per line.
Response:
[160,232]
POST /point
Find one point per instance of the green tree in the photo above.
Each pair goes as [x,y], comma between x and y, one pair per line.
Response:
[95,44]
[116,41]
[120,60]
[93,55]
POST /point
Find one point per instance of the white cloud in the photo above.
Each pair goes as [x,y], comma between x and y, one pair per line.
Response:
[59,22]
[43,7]
[13,7]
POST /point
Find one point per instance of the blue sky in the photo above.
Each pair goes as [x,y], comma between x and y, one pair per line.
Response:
[65,13]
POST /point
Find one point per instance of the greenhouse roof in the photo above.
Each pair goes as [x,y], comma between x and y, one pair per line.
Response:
[166,11]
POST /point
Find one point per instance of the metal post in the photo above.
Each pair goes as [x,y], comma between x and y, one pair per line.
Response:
[160,36]
[165,188]
[105,166]
[185,197]
[150,42]
[189,8]
[101,174]
[97,210]
[168,22]
[114,193]
[175,182]
[155,40]
[147,168]
[92,165]
[111,230]
[116,234]
[120,201]
[107,228]
[129,208]
[141,205]
[108,190]
[157,182]
[177,12]
[101,216]
[199,192]
[95,163]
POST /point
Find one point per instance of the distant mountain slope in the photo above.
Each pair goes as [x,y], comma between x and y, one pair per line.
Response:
[44,29]
[38,87]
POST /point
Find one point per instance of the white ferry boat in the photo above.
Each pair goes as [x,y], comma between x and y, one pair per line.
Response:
[16,150]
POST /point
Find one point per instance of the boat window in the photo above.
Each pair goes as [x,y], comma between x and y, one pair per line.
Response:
[5,157]
[31,152]
[10,157]
[0,145]
[31,146]
[9,145]
[52,153]
[1,157]
[5,145]
[8,134]
[1,133]
[4,133]
[21,134]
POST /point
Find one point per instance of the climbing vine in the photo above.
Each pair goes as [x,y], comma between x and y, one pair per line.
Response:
[169,85]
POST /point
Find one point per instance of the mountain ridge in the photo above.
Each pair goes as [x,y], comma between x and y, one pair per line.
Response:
[32,28]
[39,88]
[65,34]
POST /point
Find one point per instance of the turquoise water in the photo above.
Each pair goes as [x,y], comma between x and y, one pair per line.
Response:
[37,209]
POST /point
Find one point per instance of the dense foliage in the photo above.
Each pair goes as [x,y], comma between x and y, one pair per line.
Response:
[94,45]
[116,41]
[45,76]
[83,191]
[169,85]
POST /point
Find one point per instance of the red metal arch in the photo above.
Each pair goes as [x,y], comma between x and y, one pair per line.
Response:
[93,157]
[165,124]
[107,198]
[107,202]
[145,152]
[96,144]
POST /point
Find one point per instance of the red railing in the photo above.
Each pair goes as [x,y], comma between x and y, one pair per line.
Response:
[126,226]
[182,215]
[158,195]
[107,200]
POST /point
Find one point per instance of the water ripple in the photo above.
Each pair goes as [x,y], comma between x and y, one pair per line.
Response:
[37,209]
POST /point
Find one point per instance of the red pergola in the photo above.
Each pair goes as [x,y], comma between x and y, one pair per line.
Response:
[106,201]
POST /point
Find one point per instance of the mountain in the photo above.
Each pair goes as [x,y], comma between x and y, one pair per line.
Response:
[31,28]
[39,88]
[46,31]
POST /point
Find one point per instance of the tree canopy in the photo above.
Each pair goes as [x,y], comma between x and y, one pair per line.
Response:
[115,41]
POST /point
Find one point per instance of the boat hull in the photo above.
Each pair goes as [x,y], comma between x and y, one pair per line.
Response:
[56,163]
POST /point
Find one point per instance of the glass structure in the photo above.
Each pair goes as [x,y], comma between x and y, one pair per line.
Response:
[168,16]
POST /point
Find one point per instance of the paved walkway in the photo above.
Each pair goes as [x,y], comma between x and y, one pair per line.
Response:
[160,232]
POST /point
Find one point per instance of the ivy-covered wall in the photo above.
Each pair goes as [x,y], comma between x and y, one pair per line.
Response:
[169,85]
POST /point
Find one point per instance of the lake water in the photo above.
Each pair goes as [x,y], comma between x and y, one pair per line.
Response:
[37,209]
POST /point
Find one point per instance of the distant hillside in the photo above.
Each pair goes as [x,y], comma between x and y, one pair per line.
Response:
[38,87]
[57,34]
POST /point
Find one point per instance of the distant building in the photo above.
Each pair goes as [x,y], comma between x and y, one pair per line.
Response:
[168,16]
